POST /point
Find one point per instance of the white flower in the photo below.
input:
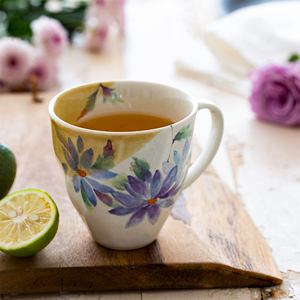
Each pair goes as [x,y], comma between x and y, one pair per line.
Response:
[15,60]
[50,36]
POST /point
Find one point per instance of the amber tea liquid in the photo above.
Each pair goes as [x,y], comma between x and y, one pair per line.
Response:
[123,122]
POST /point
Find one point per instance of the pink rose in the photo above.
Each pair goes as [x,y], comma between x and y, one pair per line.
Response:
[276,93]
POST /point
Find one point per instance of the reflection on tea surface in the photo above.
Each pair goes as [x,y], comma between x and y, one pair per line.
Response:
[123,122]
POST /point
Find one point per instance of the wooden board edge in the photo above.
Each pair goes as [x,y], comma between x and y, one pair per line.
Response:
[152,276]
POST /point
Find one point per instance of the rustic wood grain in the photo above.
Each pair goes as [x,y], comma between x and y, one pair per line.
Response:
[215,244]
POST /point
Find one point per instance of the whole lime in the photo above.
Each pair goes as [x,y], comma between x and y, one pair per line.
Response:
[8,167]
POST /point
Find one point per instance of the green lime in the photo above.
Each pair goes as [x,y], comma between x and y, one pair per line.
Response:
[8,169]
[28,222]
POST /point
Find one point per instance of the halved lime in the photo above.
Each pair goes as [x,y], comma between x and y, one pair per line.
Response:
[28,222]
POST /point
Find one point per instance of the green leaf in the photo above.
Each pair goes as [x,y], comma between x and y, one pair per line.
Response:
[60,135]
[19,15]
[140,168]
[90,104]
[294,57]
[120,181]
[103,163]
[115,203]
[114,98]
[183,133]
[85,198]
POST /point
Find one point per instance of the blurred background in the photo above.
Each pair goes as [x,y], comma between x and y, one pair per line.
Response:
[176,30]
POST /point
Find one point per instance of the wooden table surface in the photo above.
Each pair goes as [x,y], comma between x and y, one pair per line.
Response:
[259,161]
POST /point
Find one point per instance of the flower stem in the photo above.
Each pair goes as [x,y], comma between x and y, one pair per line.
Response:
[171,145]
[33,80]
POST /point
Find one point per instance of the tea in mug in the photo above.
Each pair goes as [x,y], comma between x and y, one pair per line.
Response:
[123,122]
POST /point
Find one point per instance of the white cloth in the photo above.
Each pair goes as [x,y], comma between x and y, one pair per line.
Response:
[243,40]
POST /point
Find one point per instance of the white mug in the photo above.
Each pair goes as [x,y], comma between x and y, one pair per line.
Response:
[125,184]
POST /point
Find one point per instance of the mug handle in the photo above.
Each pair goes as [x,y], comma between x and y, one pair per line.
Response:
[212,146]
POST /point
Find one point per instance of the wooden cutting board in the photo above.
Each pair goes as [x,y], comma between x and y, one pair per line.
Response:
[208,241]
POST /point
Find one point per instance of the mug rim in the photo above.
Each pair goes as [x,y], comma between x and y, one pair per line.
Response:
[63,123]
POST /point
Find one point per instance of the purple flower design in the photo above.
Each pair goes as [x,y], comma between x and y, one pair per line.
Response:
[147,197]
[107,91]
[109,94]
[86,173]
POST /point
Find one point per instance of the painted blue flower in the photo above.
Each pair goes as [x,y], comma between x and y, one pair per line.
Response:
[179,160]
[147,197]
[87,174]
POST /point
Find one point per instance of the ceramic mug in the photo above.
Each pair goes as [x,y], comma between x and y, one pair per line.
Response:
[125,184]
